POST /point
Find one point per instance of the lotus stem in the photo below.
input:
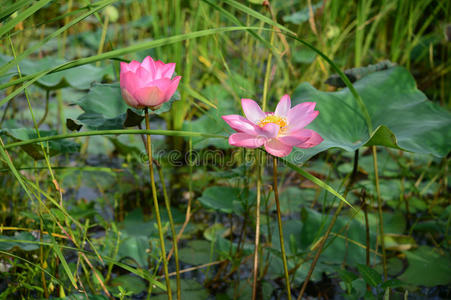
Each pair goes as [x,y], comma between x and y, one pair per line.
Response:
[259,170]
[279,222]
[174,235]
[257,228]
[157,210]
[367,232]
[46,111]
[379,209]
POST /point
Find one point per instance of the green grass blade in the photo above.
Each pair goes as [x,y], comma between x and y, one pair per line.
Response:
[139,272]
[13,169]
[13,8]
[100,5]
[237,22]
[198,96]
[22,16]
[257,15]
[66,268]
[116,53]
[34,265]
[316,181]
[114,132]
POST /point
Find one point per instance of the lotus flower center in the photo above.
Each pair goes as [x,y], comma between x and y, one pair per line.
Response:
[271,118]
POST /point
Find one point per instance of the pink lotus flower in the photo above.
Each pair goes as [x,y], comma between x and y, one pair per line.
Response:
[147,84]
[279,132]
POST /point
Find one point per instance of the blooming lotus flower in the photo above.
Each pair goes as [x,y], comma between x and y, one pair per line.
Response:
[279,132]
[147,84]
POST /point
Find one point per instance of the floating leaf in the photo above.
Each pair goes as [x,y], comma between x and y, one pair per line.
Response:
[427,267]
[130,283]
[134,248]
[226,199]
[197,252]
[243,290]
[219,198]
[190,289]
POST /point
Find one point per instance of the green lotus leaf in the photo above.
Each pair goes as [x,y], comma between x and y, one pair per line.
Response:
[401,115]
[104,108]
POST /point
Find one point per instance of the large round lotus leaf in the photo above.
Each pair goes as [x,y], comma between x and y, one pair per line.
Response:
[402,117]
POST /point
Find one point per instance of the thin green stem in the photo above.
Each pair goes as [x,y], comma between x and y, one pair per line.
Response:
[367,232]
[320,248]
[115,251]
[257,227]
[36,126]
[279,222]
[113,132]
[267,74]
[174,235]
[114,54]
[379,209]
[64,38]
[46,111]
[102,38]
[41,248]
[92,9]
[157,210]
[259,170]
